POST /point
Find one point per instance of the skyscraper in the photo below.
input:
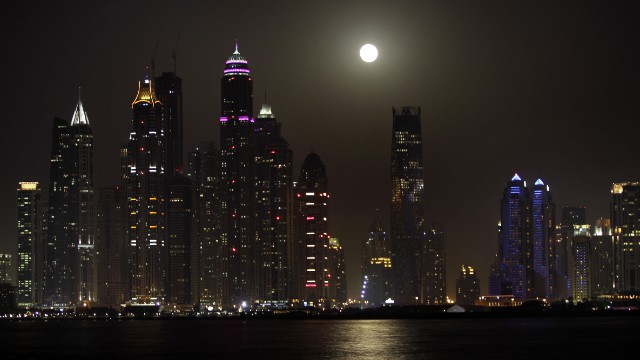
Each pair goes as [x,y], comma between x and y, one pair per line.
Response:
[30,251]
[144,178]
[111,259]
[407,202]
[433,267]
[571,216]
[69,253]
[543,236]
[178,267]
[625,221]
[273,185]
[581,263]
[311,233]
[377,275]
[237,180]
[82,204]
[168,89]
[6,267]
[602,259]
[467,286]
[513,264]
[337,273]
[61,250]
[208,256]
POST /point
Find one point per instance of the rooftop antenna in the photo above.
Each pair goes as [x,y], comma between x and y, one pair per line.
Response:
[173,55]
[153,60]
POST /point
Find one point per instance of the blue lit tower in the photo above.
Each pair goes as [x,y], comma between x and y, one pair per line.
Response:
[144,179]
[237,180]
[543,234]
[311,233]
[407,202]
[509,274]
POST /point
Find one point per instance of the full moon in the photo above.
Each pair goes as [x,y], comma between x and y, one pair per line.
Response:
[368,53]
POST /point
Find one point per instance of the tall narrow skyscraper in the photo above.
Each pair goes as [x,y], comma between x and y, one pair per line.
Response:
[311,204]
[207,253]
[513,262]
[144,177]
[433,267]
[407,202]
[273,182]
[30,250]
[237,180]
[82,204]
[543,235]
[571,216]
[178,267]
[602,259]
[168,89]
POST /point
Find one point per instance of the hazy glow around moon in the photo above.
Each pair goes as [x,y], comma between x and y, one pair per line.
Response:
[368,53]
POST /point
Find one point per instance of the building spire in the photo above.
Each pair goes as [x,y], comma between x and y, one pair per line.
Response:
[79,116]
[236,52]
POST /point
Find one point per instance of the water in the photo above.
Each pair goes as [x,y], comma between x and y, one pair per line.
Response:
[501,338]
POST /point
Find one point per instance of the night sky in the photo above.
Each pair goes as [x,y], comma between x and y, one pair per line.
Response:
[544,89]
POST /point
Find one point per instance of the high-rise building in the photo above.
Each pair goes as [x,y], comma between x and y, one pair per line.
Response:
[69,253]
[433,267]
[208,270]
[337,274]
[467,286]
[377,275]
[513,264]
[168,90]
[581,263]
[6,268]
[61,250]
[178,268]
[571,215]
[237,180]
[30,249]
[144,178]
[625,222]
[407,202]
[112,271]
[82,204]
[601,263]
[543,222]
[311,233]
[273,186]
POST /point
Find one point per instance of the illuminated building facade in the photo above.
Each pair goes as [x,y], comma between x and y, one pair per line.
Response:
[377,275]
[111,260]
[467,286]
[433,267]
[543,235]
[581,263]
[509,274]
[337,274]
[625,221]
[237,188]
[178,268]
[6,268]
[144,176]
[407,202]
[571,216]
[311,233]
[208,277]
[273,186]
[82,205]
[30,249]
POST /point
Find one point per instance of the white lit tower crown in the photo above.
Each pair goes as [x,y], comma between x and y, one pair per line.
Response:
[237,181]
[144,179]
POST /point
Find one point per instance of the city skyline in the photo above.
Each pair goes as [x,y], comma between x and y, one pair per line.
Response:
[564,73]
